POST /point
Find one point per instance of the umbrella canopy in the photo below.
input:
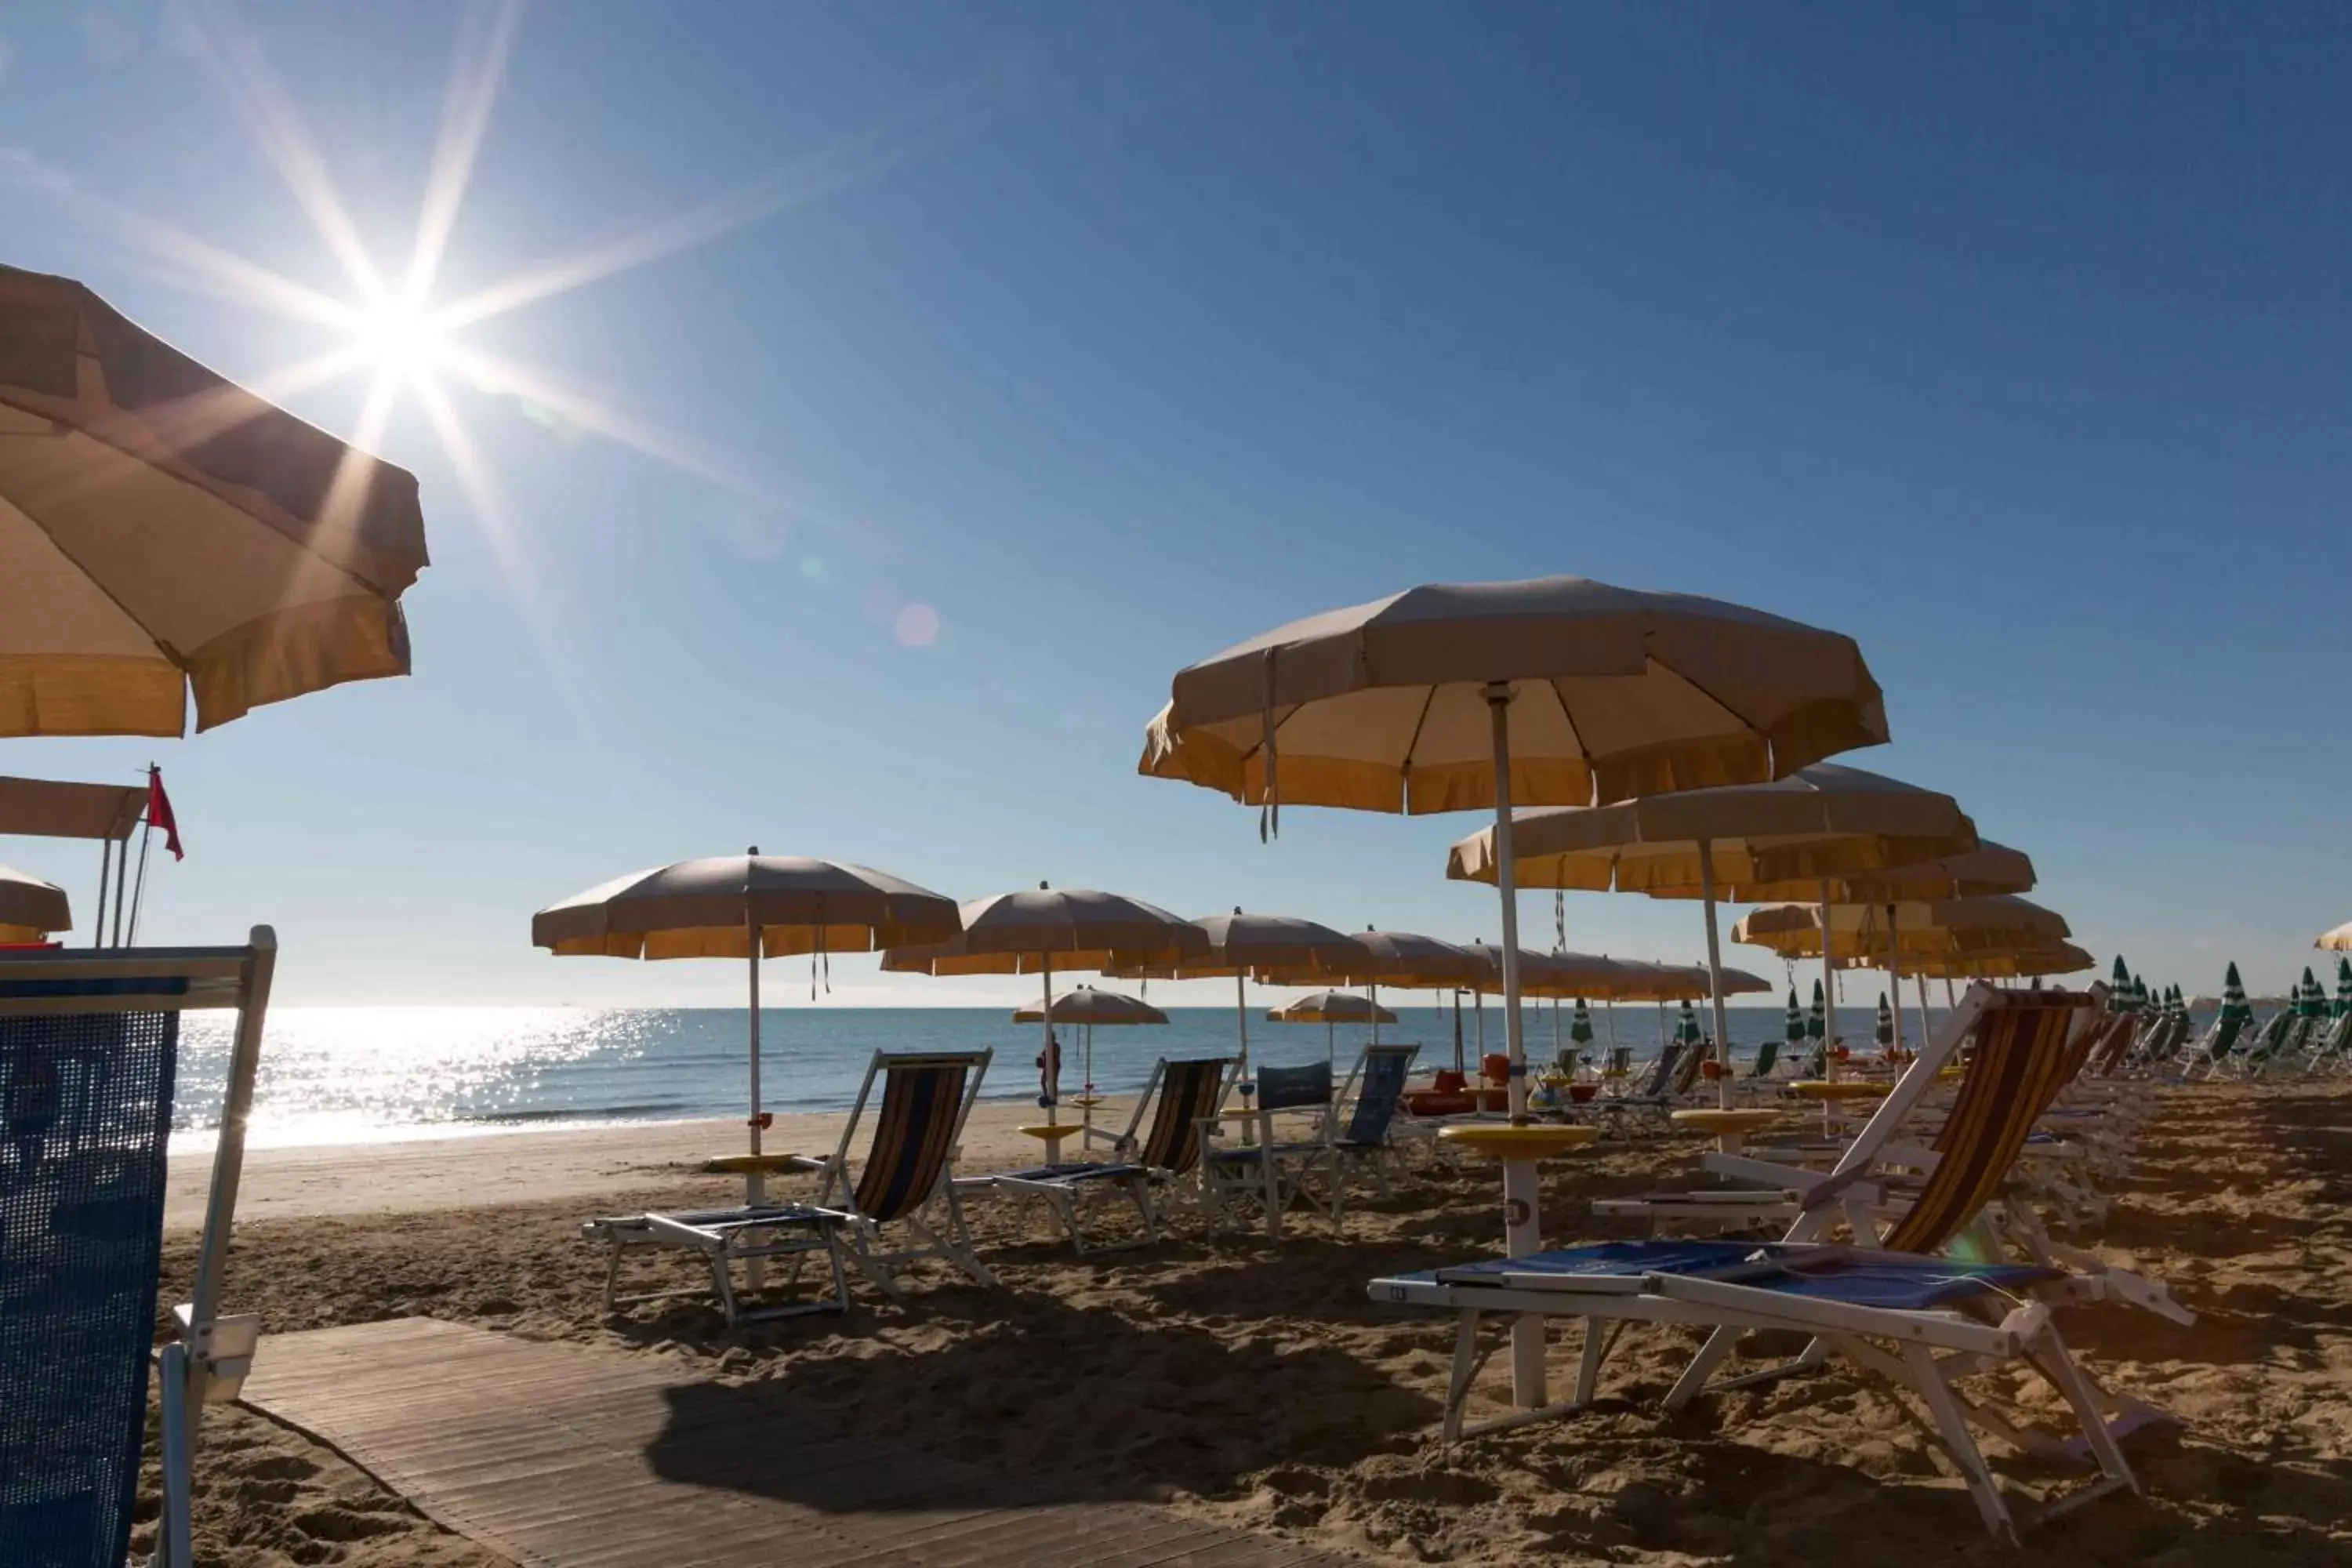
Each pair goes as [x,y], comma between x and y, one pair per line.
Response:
[2233,995]
[1331,1007]
[2119,983]
[1996,963]
[2308,997]
[1579,1024]
[1095,1009]
[30,908]
[1823,820]
[1920,927]
[1610,694]
[1884,1032]
[2336,940]
[747,906]
[163,531]
[1401,959]
[1040,929]
[1988,868]
[1793,1029]
[2343,986]
[1817,1023]
[710,907]
[1240,944]
[1686,1027]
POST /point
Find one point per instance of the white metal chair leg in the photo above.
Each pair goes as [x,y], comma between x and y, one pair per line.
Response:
[1927,1380]
[1693,1382]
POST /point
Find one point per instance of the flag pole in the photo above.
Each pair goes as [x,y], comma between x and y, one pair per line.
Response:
[121,879]
[105,865]
[139,888]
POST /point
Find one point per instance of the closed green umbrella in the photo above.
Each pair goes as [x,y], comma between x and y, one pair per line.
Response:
[2233,997]
[2343,986]
[1579,1024]
[1817,1018]
[1794,1029]
[1886,1032]
[1687,1028]
[2139,993]
[2308,994]
[2120,988]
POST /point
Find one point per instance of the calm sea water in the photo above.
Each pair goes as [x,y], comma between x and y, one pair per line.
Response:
[338,1075]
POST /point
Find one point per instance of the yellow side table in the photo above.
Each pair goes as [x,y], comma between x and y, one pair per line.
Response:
[1730,1126]
[1052,1134]
[1521,1150]
[1834,1093]
[757,1164]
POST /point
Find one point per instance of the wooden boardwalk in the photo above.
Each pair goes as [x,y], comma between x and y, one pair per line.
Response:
[563,1456]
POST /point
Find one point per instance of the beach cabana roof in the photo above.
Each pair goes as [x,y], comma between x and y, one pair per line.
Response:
[53,808]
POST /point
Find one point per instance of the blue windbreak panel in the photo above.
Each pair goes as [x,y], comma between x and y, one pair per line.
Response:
[85,1102]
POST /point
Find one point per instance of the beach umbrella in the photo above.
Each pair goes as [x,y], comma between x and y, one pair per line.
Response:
[748,906]
[2139,993]
[1401,960]
[2030,958]
[1088,1008]
[2343,986]
[1686,1027]
[2312,1001]
[2233,997]
[31,910]
[2337,941]
[1885,1033]
[1331,1008]
[1793,1031]
[1239,945]
[1038,931]
[1554,691]
[1580,1028]
[170,533]
[1921,928]
[1822,821]
[2119,987]
[1817,1021]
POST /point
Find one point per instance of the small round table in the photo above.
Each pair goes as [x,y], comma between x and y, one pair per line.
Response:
[1730,1126]
[1520,1149]
[1052,1132]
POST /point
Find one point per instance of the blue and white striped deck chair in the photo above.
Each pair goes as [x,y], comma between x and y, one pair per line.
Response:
[89,1056]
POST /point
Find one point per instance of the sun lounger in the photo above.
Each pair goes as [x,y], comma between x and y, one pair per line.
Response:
[1183,1095]
[88,1053]
[907,1170]
[1922,1321]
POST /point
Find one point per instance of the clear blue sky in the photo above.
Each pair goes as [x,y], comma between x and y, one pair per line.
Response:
[2013,343]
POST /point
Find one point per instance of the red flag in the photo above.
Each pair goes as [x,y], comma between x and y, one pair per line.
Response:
[159,813]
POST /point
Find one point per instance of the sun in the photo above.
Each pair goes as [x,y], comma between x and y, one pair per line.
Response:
[401,339]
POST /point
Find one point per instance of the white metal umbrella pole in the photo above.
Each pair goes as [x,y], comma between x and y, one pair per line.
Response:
[1829,988]
[754,1183]
[1894,978]
[1049,1065]
[1498,704]
[1372,994]
[1715,972]
[1920,980]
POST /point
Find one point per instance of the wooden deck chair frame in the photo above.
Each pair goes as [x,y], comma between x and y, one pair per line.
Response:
[1968,1338]
[945,1235]
[208,1362]
[1134,1171]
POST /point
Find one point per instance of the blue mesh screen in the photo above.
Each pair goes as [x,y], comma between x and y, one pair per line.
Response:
[85,1102]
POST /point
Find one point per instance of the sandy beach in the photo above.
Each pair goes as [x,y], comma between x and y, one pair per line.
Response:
[1257,1384]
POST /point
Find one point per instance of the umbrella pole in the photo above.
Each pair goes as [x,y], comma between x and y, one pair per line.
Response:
[1895,977]
[1049,1070]
[1829,990]
[1715,972]
[1372,990]
[1331,1043]
[1948,1003]
[1087,1089]
[1522,1227]
[755,1182]
[1920,980]
[1608,1012]
[105,867]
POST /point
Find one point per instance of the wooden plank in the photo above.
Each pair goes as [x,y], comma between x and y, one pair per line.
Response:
[567,1456]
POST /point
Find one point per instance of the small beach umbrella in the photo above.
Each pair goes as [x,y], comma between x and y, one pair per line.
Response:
[1401,960]
[31,910]
[1240,946]
[1886,1030]
[1331,1009]
[1817,1019]
[1580,1027]
[2119,987]
[1038,931]
[2343,986]
[2312,1003]
[748,906]
[2139,993]
[1793,1029]
[168,534]
[1087,1007]
[2337,941]
[1687,1028]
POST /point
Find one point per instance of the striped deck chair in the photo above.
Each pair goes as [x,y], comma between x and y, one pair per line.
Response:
[1267,1170]
[88,1059]
[1183,1094]
[926,1095]
[1921,1321]
[1625,1112]
[910,1167]
[1370,1100]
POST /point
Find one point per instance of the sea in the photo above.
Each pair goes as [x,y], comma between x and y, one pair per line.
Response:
[341,1075]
